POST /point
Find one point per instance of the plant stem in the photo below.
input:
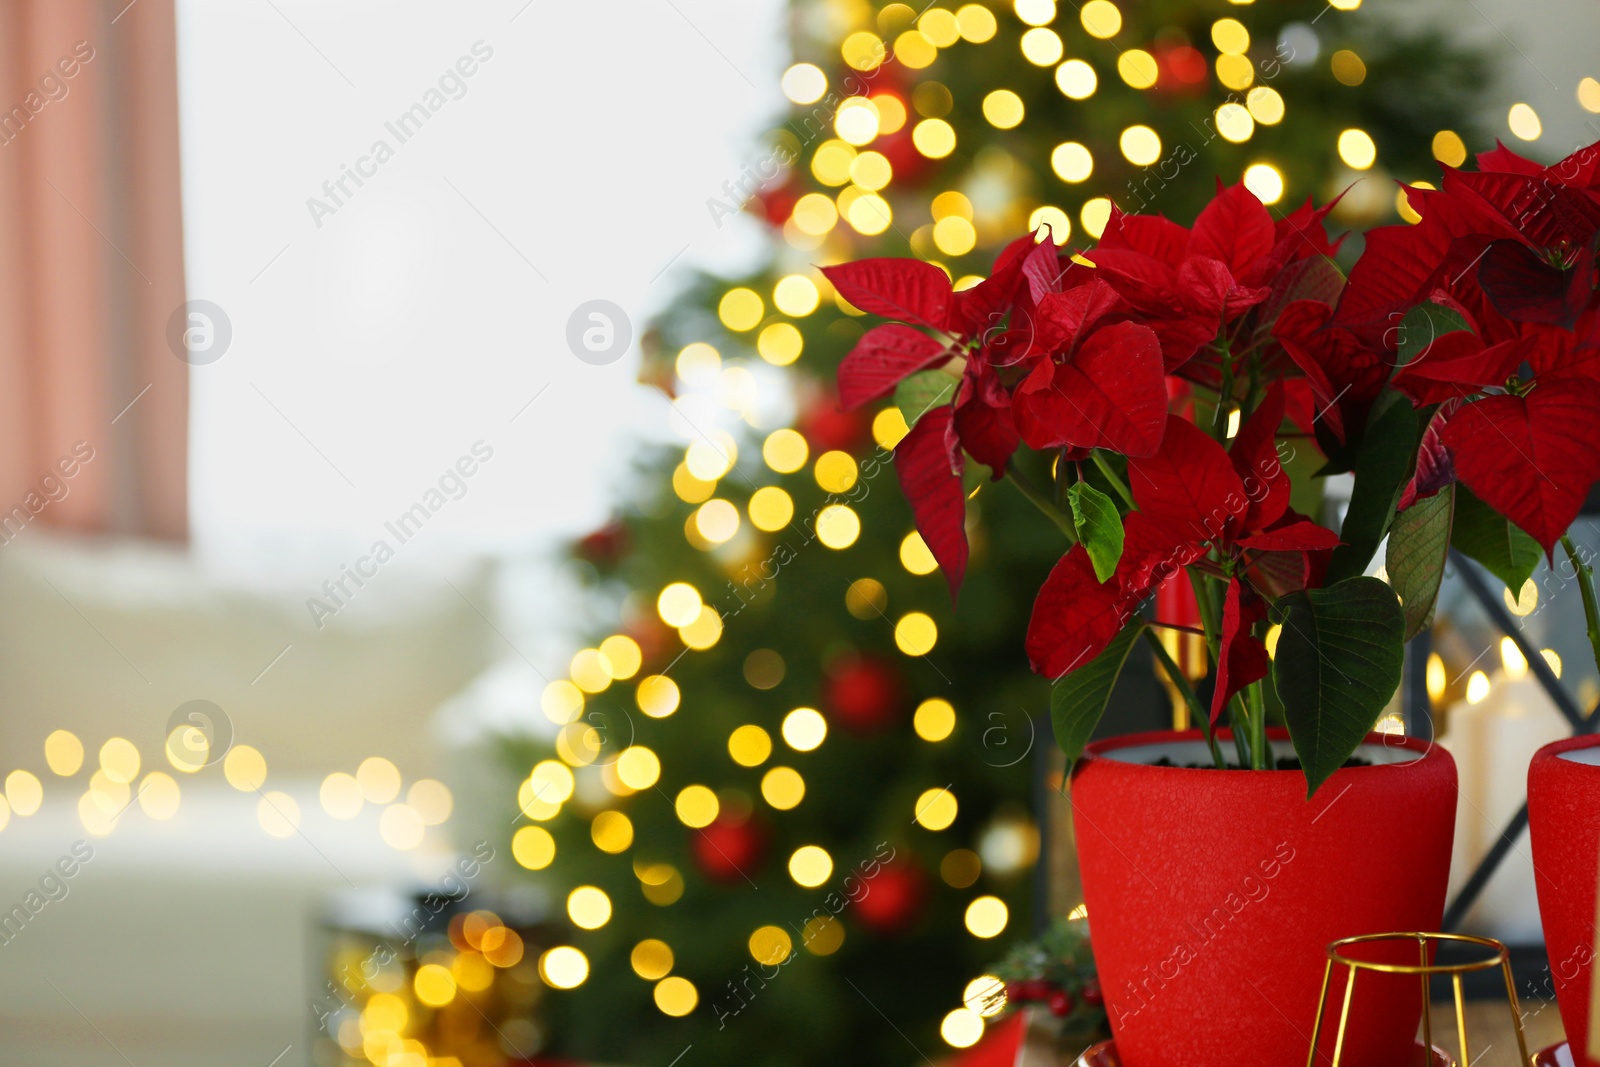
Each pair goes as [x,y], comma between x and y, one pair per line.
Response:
[1591,610]
[1258,727]
[1111,476]
[1041,501]
[1179,627]
[1241,731]
[1200,714]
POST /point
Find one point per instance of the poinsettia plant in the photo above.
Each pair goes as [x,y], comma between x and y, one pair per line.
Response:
[1162,374]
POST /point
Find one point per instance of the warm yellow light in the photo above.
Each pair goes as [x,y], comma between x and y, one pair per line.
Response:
[588,907]
[783,788]
[111,797]
[804,729]
[1138,68]
[770,945]
[679,604]
[435,985]
[1552,659]
[651,959]
[796,295]
[1072,162]
[770,508]
[889,427]
[856,122]
[676,996]
[24,792]
[1234,123]
[1140,145]
[717,521]
[810,866]
[690,490]
[941,27]
[915,634]
[934,720]
[914,50]
[533,805]
[278,814]
[401,827]
[961,1028]
[985,995]
[1042,47]
[1357,150]
[1525,601]
[1230,36]
[934,138]
[1035,12]
[561,701]
[863,51]
[871,171]
[533,847]
[740,309]
[119,759]
[158,795]
[954,236]
[622,655]
[1266,181]
[1435,677]
[1003,108]
[188,748]
[696,806]
[341,796]
[780,343]
[244,768]
[822,935]
[749,745]
[1477,687]
[589,669]
[935,809]
[63,752]
[1524,122]
[704,632]
[638,767]
[379,779]
[551,782]
[987,917]
[1347,67]
[431,800]
[830,164]
[1589,94]
[915,556]
[698,364]
[866,598]
[804,83]
[1265,105]
[784,451]
[611,831]
[838,526]
[960,868]
[1344,5]
[1076,79]
[1235,72]
[836,472]
[869,214]
[1402,204]
[563,967]
[1101,18]
[1053,217]
[1515,663]
[976,22]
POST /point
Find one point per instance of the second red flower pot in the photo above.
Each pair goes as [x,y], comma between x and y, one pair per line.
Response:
[1564,829]
[1213,894]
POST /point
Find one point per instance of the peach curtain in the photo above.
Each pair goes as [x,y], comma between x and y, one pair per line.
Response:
[93,402]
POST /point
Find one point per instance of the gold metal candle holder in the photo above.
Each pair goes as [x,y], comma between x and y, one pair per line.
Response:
[1423,969]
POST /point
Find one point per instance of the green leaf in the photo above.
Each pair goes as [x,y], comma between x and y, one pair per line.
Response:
[1383,463]
[1419,544]
[920,393]
[1493,540]
[1099,527]
[1337,663]
[1422,325]
[1078,699]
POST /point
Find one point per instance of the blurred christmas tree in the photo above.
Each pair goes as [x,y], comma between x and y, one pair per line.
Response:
[790,808]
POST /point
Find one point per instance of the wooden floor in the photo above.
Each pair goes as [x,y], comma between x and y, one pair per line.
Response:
[1491,1038]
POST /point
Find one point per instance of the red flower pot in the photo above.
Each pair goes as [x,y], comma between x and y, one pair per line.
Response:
[1213,895]
[1564,824]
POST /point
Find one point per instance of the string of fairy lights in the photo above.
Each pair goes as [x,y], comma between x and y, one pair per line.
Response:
[115,786]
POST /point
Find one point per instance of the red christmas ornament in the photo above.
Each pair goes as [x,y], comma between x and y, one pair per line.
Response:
[1092,995]
[1061,1002]
[894,898]
[729,850]
[864,694]
[776,202]
[826,428]
[604,546]
[1182,69]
